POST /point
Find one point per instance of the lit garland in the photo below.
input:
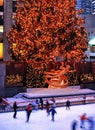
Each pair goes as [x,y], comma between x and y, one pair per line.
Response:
[86,78]
[13,79]
[45,29]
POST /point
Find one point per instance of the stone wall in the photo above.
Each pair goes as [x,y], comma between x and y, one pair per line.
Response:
[88,86]
[7,25]
[10,90]
[2,74]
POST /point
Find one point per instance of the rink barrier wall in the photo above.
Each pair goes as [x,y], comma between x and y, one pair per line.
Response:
[76,99]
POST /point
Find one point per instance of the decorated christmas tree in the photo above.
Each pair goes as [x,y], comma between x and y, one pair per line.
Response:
[46,30]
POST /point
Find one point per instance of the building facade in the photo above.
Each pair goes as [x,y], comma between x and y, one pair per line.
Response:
[87,5]
[93,6]
[7,8]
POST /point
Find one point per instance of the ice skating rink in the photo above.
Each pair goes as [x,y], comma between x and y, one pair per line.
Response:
[40,121]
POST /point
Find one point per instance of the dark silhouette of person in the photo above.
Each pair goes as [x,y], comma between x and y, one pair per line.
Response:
[47,107]
[53,112]
[84,99]
[28,111]
[74,125]
[15,109]
[41,103]
[68,104]
[36,104]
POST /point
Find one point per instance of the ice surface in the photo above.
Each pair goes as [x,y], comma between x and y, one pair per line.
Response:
[40,121]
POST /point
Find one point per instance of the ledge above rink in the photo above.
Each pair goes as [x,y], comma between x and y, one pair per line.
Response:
[56,92]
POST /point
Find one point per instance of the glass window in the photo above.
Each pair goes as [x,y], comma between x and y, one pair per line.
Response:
[1,15]
[14,6]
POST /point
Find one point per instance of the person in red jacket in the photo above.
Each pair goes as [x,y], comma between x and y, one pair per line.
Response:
[28,111]
[82,119]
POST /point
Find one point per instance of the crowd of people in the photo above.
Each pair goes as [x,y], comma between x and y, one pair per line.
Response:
[51,110]
[39,104]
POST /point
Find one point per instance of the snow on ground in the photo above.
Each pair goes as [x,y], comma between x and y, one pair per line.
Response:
[40,121]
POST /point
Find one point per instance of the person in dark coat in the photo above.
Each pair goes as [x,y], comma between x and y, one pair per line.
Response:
[53,112]
[47,107]
[15,109]
[74,125]
[28,111]
[41,103]
[84,99]
[68,104]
